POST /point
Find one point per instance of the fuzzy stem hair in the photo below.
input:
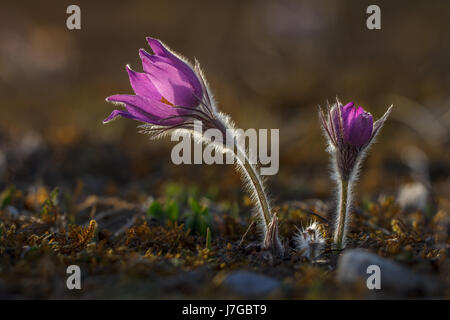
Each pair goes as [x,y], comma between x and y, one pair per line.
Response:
[256,186]
[343,214]
[253,182]
[267,222]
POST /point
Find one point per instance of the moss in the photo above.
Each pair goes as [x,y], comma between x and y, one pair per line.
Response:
[41,245]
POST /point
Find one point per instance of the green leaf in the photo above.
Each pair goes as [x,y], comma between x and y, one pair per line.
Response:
[194,205]
[208,238]
[173,190]
[155,210]
[54,196]
[6,197]
[190,222]
[202,226]
[172,210]
[198,219]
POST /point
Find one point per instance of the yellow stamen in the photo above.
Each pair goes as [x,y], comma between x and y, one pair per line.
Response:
[164,100]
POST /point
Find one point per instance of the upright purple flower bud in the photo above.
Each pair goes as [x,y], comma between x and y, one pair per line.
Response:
[350,131]
[357,124]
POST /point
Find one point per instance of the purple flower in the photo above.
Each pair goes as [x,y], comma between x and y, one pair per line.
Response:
[350,130]
[356,124]
[170,92]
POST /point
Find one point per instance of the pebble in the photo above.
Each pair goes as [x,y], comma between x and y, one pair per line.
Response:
[250,284]
[352,267]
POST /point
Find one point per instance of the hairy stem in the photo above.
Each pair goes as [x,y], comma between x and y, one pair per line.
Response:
[267,221]
[342,216]
[257,186]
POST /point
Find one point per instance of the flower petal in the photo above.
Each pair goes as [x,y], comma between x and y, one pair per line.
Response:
[345,110]
[170,82]
[164,55]
[147,110]
[157,47]
[337,120]
[121,113]
[142,85]
[358,125]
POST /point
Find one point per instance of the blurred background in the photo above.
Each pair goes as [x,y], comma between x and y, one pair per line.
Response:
[270,65]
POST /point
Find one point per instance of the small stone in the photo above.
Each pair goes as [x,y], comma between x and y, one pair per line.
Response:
[412,197]
[12,211]
[250,284]
[352,267]
[429,241]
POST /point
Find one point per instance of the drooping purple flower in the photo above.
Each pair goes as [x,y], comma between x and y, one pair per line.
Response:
[169,93]
[172,94]
[350,131]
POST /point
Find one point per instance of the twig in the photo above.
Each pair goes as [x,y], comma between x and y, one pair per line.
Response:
[246,232]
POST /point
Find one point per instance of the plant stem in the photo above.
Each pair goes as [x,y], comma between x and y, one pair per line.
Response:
[257,186]
[341,225]
[268,221]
